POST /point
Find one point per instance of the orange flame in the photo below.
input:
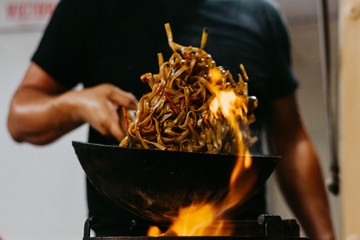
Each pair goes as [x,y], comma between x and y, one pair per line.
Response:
[206,219]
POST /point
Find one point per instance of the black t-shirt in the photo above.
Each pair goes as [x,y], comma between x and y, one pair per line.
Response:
[98,41]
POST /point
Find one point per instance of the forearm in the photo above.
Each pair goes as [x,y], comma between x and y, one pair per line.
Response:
[299,172]
[40,118]
[301,181]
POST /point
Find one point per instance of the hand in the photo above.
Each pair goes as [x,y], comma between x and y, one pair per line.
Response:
[99,107]
[42,110]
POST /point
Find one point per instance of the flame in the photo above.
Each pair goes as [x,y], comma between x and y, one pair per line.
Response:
[193,220]
[215,75]
[247,162]
[154,231]
[206,219]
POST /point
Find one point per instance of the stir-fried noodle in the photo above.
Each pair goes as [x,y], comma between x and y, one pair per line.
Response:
[176,114]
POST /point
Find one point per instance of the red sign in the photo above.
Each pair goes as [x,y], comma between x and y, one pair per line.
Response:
[29,10]
[25,14]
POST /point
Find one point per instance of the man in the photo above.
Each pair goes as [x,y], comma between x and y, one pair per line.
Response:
[106,43]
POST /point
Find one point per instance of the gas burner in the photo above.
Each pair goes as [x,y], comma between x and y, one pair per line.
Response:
[267,227]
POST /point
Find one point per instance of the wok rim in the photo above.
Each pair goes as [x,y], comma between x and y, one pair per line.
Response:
[99,145]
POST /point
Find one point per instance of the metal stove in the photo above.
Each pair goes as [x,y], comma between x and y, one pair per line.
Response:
[267,227]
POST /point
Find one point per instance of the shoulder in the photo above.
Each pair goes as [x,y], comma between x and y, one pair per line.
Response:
[259,11]
[268,15]
[271,9]
[253,5]
[268,9]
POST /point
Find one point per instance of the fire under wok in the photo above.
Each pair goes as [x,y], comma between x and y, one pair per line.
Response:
[155,184]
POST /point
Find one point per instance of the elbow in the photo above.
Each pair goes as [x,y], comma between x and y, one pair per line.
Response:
[16,137]
[28,117]
[20,137]
[19,126]
[16,134]
[14,123]
[13,129]
[20,133]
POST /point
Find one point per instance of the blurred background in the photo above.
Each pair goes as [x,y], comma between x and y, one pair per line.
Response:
[302,18]
[42,189]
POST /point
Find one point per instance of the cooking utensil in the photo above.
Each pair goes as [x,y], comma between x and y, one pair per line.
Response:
[154,184]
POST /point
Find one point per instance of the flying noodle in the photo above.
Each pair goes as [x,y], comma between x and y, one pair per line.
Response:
[175,115]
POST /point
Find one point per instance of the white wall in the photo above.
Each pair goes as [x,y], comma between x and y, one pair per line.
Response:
[42,189]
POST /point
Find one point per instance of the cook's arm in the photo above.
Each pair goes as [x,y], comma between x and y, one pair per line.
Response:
[41,110]
[299,173]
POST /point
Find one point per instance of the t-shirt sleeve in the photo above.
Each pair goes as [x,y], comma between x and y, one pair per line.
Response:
[60,52]
[283,81]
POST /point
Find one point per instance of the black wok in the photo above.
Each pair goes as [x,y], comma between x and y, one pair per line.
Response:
[154,184]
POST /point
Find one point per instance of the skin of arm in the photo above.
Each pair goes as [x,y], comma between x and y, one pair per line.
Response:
[299,174]
[41,110]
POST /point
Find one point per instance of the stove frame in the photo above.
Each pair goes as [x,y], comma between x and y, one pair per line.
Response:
[267,227]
